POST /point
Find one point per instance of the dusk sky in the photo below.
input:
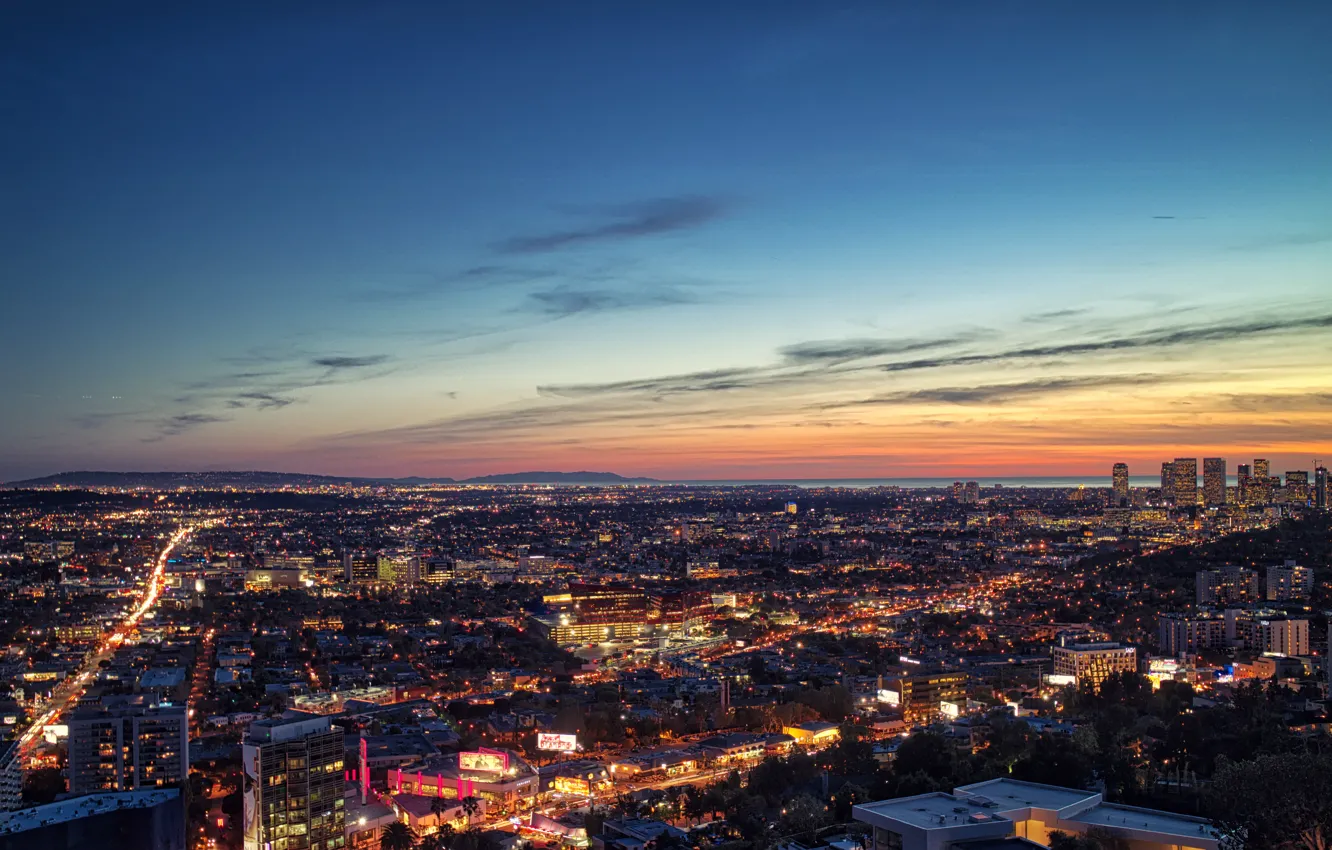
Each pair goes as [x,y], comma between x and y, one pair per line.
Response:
[684,240]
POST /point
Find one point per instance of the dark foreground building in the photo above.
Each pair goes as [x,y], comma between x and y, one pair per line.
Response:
[133,820]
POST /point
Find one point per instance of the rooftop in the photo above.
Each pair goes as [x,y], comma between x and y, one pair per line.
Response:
[932,811]
[1013,794]
[1152,820]
[81,807]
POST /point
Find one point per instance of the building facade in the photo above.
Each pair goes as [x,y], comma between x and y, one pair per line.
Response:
[293,782]
[1119,485]
[1289,581]
[128,748]
[1214,481]
[1090,664]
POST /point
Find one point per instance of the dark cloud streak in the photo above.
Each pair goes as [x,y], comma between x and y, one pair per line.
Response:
[339,363]
[1001,393]
[629,221]
[1221,332]
[561,301]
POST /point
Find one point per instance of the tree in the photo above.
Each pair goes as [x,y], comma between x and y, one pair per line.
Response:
[1096,838]
[1275,800]
[668,840]
[397,836]
[1054,760]
[470,806]
[439,807]
[803,815]
[42,785]
[928,753]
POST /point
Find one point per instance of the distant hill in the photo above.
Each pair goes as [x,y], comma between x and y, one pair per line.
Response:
[262,480]
[557,478]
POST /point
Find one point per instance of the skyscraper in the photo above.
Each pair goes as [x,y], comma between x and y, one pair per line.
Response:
[1186,481]
[292,784]
[1320,489]
[1167,482]
[128,747]
[1214,481]
[1261,488]
[1243,483]
[1119,485]
[971,492]
[1297,487]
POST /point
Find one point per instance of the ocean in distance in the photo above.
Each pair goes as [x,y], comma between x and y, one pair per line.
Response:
[1067,482]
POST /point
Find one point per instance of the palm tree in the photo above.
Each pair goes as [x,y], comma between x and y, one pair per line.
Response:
[437,808]
[397,836]
[470,806]
[445,835]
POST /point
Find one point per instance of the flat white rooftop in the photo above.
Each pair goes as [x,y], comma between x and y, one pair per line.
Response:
[1012,794]
[932,811]
[1152,820]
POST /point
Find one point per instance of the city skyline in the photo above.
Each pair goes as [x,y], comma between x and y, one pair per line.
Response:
[798,242]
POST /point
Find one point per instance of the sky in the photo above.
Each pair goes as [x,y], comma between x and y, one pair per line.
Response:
[684,240]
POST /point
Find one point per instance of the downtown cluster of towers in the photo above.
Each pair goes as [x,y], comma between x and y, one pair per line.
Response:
[1255,484]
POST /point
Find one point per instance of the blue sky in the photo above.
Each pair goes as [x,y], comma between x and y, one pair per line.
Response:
[334,237]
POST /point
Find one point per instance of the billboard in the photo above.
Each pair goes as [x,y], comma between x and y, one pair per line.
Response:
[482,762]
[557,743]
[251,788]
[570,785]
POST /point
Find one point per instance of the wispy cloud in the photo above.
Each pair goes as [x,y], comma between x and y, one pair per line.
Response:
[1002,393]
[1158,339]
[1057,315]
[627,221]
[260,401]
[340,363]
[801,363]
[171,426]
[846,350]
[1285,240]
[562,301]
[421,285]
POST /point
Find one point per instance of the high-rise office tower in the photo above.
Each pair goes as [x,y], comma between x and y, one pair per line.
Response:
[1297,487]
[971,492]
[1119,485]
[360,568]
[293,777]
[1320,489]
[1261,468]
[1186,481]
[1214,481]
[1243,483]
[128,747]
[1167,482]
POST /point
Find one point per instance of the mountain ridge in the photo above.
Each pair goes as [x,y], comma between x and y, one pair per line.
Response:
[260,478]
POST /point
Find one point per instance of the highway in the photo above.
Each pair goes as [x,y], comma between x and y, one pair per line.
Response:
[68,692]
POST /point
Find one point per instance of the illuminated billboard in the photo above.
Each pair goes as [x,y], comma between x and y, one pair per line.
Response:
[557,743]
[483,762]
[570,785]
